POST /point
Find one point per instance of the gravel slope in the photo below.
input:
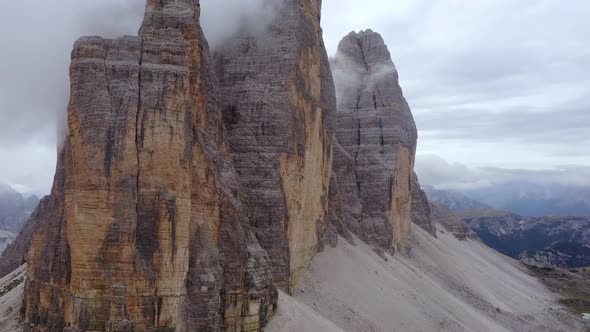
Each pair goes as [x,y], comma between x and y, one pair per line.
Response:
[11,295]
[436,285]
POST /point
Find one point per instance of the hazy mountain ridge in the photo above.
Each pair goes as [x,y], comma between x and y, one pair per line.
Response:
[15,209]
[521,197]
[6,239]
[533,199]
[514,235]
[454,200]
[547,241]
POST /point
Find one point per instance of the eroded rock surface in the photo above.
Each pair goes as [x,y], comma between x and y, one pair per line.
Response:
[279,111]
[187,189]
[144,229]
[421,210]
[378,136]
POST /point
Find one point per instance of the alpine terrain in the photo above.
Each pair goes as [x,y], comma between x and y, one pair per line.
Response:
[260,187]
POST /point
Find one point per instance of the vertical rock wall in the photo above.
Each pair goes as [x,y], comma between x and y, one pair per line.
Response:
[378,136]
[421,210]
[186,190]
[279,111]
[145,229]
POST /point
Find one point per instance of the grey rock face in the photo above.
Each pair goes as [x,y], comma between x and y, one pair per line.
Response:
[187,188]
[145,229]
[421,212]
[345,209]
[279,112]
[378,137]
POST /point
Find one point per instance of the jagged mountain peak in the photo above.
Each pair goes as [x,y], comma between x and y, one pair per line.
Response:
[365,48]
[378,138]
[171,17]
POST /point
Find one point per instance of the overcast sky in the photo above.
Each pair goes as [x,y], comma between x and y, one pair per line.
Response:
[498,88]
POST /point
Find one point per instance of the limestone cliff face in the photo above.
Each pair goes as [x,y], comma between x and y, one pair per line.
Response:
[279,111]
[345,204]
[378,136]
[421,210]
[187,189]
[144,229]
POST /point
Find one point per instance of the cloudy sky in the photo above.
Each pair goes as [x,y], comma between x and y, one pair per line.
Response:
[498,87]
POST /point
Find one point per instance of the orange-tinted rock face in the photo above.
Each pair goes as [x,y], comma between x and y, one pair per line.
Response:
[180,202]
[145,228]
[279,110]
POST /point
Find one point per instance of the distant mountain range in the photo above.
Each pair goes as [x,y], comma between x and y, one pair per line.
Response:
[556,241]
[454,200]
[510,218]
[523,198]
[15,209]
[6,239]
[535,200]
[512,234]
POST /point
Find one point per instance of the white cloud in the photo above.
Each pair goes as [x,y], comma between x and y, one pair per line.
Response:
[460,64]
[490,82]
[442,174]
[223,19]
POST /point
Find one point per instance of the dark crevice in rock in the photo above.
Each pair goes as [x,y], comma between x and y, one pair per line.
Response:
[381,138]
[382,146]
[374,101]
[138,130]
[110,142]
[358,140]
[171,207]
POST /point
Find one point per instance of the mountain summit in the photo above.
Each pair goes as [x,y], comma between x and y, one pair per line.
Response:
[377,138]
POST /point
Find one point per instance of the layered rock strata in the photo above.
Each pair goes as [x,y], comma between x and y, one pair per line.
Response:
[144,229]
[378,136]
[421,210]
[187,188]
[279,111]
